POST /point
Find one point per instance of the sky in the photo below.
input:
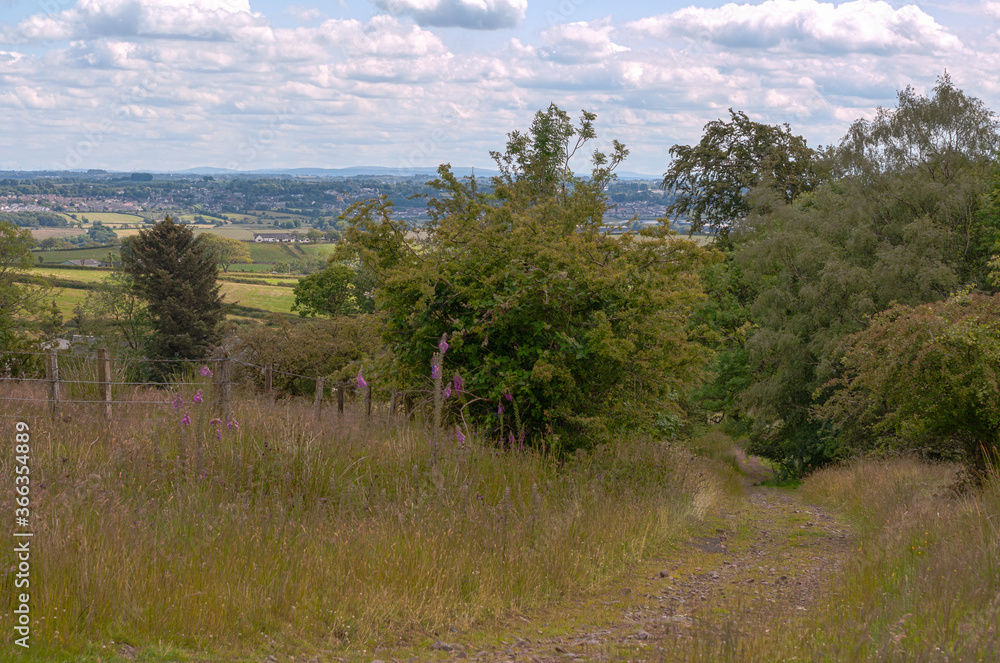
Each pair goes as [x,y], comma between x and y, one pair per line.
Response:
[166,85]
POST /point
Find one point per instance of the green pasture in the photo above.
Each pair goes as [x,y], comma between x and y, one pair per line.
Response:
[109,218]
[241,233]
[76,254]
[272,253]
[263,297]
[321,250]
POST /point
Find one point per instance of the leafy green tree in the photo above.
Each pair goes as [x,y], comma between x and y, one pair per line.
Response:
[898,222]
[331,292]
[20,304]
[584,331]
[115,309]
[710,182]
[176,275]
[923,377]
[226,251]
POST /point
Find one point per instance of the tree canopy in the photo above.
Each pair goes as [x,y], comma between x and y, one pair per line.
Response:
[710,182]
[903,218]
[176,275]
[547,318]
[226,251]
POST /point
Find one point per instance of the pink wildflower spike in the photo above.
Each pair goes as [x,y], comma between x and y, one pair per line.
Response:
[459,384]
[361,381]
[178,402]
[447,391]
[435,370]
[459,435]
[509,397]
[443,346]
[213,422]
[198,397]
[206,372]
[186,419]
[218,434]
[233,424]
[500,409]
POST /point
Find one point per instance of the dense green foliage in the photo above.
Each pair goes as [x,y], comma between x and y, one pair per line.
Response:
[19,304]
[176,275]
[710,181]
[585,332]
[924,377]
[904,217]
[227,251]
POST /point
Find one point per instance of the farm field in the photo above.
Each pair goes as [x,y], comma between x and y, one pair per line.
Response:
[110,218]
[43,233]
[271,298]
[242,233]
[264,297]
[321,250]
[76,254]
[271,253]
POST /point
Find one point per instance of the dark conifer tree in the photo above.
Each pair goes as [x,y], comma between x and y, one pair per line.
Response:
[176,275]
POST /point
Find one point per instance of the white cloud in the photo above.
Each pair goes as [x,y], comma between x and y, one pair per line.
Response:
[580,42]
[90,19]
[472,14]
[859,26]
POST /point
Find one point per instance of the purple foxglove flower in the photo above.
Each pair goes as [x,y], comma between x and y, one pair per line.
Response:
[447,391]
[178,402]
[233,424]
[459,384]
[459,435]
[205,372]
[361,381]
[218,434]
[500,409]
[435,370]
[186,420]
[198,397]
[213,422]
[443,346]
[510,399]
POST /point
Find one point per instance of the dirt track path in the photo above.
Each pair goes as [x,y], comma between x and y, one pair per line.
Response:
[757,569]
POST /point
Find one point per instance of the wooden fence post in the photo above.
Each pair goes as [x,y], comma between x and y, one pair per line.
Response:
[268,379]
[223,380]
[368,402]
[341,387]
[104,380]
[52,370]
[318,399]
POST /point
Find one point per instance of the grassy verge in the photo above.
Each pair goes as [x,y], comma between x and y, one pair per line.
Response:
[294,537]
[925,584]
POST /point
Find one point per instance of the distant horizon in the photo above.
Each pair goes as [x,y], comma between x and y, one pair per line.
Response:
[123,85]
[356,171]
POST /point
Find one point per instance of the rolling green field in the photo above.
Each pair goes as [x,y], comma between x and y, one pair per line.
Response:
[56,257]
[271,298]
[321,250]
[272,253]
[110,218]
[242,233]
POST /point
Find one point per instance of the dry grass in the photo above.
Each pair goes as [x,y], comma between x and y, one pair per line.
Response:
[297,537]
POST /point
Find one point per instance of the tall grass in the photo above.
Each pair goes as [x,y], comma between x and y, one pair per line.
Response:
[293,535]
[926,583]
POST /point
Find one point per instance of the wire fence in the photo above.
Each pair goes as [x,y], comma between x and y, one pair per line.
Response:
[105,391]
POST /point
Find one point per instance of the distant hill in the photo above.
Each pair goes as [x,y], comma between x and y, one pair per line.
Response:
[356,171]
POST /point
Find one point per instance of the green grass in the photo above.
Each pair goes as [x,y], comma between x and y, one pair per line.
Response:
[263,297]
[241,233]
[292,537]
[110,218]
[76,254]
[322,250]
[271,253]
